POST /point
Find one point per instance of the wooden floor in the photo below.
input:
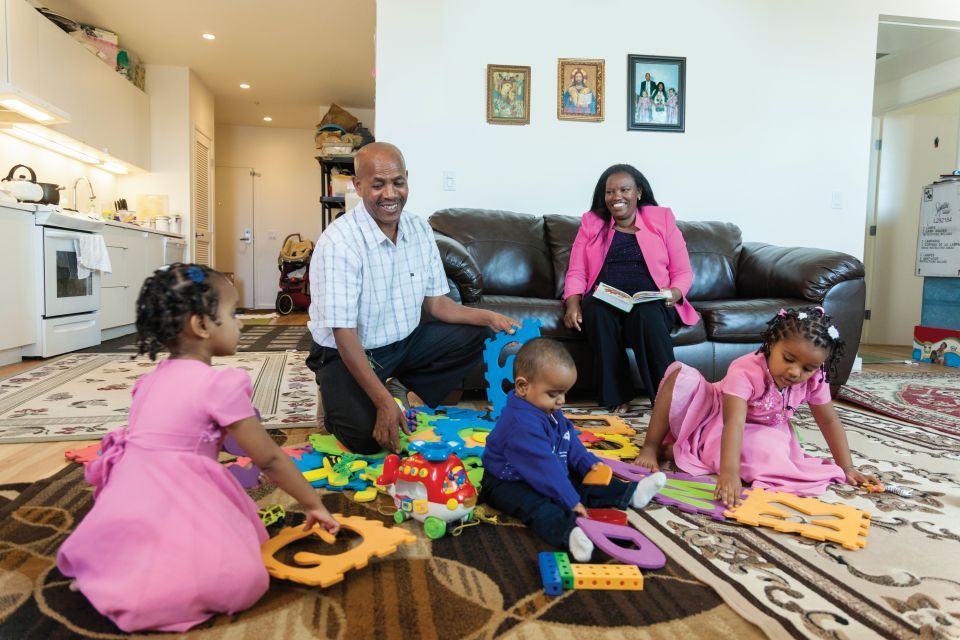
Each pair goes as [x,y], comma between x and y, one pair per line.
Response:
[34,461]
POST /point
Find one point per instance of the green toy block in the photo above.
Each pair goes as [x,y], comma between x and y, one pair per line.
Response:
[566,571]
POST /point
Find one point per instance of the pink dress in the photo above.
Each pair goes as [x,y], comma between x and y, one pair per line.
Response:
[172,538]
[771,456]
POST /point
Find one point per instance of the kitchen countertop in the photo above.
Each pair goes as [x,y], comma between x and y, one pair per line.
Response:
[127,225]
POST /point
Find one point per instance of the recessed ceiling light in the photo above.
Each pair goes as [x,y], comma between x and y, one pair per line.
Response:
[209,36]
[244,85]
[267,119]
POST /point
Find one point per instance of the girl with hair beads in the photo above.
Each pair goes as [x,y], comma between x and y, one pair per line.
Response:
[172,538]
[739,427]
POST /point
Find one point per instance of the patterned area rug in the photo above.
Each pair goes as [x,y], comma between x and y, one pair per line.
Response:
[482,584]
[82,396]
[253,337]
[485,583]
[927,399]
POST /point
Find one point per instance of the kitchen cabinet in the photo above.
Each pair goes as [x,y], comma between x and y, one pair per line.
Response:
[134,255]
[18,290]
[106,111]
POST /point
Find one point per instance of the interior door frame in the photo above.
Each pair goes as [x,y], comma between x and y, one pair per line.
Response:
[248,289]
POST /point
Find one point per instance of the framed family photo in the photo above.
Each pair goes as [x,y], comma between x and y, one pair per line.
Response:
[656,93]
[580,89]
[508,94]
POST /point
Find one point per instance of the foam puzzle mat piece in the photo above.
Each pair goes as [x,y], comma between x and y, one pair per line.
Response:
[612,425]
[646,556]
[626,449]
[83,455]
[601,476]
[324,570]
[847,526]
[495,373]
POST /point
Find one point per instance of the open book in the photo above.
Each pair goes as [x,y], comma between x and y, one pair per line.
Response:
[625,301]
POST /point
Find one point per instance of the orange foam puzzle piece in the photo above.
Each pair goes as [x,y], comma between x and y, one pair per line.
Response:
[614,425]
[324,570]
[759,508]
[626,450]
[600,476]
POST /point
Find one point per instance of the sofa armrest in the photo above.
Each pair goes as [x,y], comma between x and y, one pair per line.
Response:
[460,268]
[767,271]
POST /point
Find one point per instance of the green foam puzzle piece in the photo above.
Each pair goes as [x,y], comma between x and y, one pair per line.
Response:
[695,494]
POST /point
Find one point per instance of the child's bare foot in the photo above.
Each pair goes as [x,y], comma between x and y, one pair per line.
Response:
[647,459]
[621,408]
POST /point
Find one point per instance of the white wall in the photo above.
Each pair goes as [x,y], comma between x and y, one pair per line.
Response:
[768,158]
[59,169]
[286,193]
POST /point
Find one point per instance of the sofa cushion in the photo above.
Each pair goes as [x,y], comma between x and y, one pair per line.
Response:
[714,249]
[561,231]
[508,247]
[741,320]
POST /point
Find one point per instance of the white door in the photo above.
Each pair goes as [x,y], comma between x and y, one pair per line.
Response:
[919,143]
[202,199]
[235,229]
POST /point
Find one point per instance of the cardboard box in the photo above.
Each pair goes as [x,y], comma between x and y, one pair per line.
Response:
[937,346]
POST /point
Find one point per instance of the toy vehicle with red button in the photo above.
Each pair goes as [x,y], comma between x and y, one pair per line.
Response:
[430,486]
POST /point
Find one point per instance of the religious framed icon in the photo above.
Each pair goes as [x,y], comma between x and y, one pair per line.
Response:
[656,93]
[580,89]
[508,94]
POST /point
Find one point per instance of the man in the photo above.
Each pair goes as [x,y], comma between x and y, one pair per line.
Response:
[647,85]
[374,270]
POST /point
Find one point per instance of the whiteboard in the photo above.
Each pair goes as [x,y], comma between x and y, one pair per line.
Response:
[938,240]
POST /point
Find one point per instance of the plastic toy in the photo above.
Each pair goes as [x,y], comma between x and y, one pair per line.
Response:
[368,494]
[625,450]
[646,556]
[83,455]
[566,571]
[550,574]
[627,471]
[601,476]
[614,425]
[903,492]
[248,477]
[587,438]
[760,509]
[325,570]
[617,577]
[272,515]
[496,374]
[431,486]
[329,445]
[610,516]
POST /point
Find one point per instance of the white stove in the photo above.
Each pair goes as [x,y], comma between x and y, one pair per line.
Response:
[68,310]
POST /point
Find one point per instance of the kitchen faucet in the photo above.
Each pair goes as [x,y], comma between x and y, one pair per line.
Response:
[91,203]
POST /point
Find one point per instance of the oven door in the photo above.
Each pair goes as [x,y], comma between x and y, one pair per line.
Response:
[65,292]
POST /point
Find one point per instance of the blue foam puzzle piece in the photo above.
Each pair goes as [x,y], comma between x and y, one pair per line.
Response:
[550,574]
[448,430]
[496,374]
[308,462]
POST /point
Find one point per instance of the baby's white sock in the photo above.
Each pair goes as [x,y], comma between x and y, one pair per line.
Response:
[581,548]
[647,488]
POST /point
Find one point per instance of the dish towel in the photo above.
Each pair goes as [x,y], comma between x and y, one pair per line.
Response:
[91,255]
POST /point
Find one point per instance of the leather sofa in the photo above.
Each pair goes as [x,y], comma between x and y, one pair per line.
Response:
[515,264]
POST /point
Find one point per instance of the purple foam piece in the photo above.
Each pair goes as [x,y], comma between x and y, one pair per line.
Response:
[627,471]
[248,478]
[232,447]
[646,556]
[635,473]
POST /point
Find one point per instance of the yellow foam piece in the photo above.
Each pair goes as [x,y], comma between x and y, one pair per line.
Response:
[368,494]
[614,577]
[614,425]
[323,570]
[759,508]
[626,451]
[316,474]
[481,436]
[600,476]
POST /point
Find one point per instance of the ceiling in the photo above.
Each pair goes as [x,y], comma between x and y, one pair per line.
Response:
[296,54]
[904,48]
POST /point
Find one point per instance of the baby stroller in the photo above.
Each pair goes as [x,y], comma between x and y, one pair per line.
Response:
[294,265]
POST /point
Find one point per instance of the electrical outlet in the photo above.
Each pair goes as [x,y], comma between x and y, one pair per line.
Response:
[836,200]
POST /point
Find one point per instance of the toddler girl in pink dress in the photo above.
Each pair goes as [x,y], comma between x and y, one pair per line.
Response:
[644,107]
[172,538]
[739,427]
[673,108]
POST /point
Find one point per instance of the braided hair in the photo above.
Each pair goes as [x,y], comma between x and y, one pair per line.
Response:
[809,323]
[167,300]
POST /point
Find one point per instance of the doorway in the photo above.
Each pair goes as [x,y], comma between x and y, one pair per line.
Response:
[919,143]
[236,247]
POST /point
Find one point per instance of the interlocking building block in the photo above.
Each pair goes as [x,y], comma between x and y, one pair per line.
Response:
[550,574]
[566,571]
[496,374]
[617,577]
[848,525]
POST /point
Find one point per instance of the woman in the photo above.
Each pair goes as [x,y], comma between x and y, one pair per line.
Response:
[630,243]
[660,104]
